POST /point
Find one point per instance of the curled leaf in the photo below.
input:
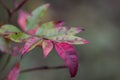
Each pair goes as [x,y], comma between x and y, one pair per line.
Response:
[69,55]
[47,47]
[14,72]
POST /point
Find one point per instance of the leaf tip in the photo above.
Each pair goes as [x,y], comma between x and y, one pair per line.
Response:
[59,23]
[86,42]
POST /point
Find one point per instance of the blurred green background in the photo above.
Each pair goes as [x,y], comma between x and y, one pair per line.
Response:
[99,60]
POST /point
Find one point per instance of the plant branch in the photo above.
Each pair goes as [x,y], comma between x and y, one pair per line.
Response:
[11,12]
[19,5]
[6,7]
[42,68]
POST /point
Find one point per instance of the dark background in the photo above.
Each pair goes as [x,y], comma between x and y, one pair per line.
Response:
[99,60]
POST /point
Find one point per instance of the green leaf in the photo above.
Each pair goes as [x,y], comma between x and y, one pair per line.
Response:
[18,36]
[36,15]
[60,34]
[6,29]
[44,28]
[49,29]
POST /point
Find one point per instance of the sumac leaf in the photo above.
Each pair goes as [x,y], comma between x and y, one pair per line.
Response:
[69,55]
[14,72]
[47,47]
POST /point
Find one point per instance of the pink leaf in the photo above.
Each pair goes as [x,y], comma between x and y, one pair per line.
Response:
[47,47]
[30,44]
[69,55]
[14,72]
[22,17]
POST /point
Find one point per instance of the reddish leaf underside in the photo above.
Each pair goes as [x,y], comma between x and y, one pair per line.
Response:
[47,47]
[69,55]
[14,72]
[30,44]
[22,17]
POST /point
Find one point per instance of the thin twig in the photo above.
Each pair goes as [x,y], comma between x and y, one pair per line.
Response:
[43,68]
[6,7]
[11,12]
[19,5]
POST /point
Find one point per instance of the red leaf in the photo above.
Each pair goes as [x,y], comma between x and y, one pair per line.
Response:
[47,47]
[69,55]
[22,18]
[14,72]
[30,44]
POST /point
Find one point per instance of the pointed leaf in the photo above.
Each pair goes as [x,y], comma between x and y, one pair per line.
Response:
[30,44]
[47,47]
[36,15]
[14,72]
[69,55]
